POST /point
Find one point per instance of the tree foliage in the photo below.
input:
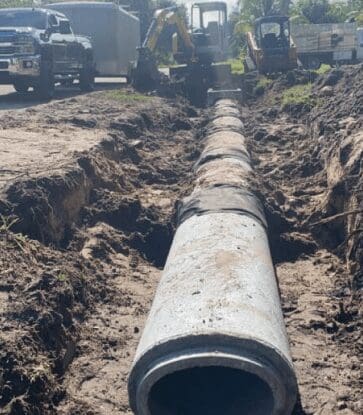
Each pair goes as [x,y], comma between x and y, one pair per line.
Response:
[16,3]
[323,11]
[258,8]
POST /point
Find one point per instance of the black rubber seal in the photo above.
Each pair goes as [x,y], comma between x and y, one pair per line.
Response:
[219,199]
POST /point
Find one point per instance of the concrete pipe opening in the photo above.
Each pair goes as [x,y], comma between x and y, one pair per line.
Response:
[213,383]
[213,390]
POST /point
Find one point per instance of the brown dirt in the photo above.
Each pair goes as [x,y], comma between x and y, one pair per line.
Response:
[308,160]
[91,183]
[96,206]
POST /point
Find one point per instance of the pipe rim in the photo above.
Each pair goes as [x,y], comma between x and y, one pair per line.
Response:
[282,389]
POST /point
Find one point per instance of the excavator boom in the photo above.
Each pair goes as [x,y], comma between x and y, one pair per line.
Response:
[163,18]
[145,73]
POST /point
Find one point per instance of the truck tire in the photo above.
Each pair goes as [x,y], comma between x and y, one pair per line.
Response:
[21,87]
[87,77]
[312,63]
[45,86]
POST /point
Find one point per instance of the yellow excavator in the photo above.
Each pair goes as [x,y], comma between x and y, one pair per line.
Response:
[196,50]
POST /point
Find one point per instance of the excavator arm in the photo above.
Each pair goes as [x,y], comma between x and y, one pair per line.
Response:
[145,73]
[162,19]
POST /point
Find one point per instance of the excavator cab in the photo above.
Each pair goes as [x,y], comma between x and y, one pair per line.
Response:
[270,46]
[273,34]
[210,30]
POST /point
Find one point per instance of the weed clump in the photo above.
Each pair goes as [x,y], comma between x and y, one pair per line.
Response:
[299,97]
[127,96]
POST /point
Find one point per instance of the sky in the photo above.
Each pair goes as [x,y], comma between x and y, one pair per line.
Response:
[230,3]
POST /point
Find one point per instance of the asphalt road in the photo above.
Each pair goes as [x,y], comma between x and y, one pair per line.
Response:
[10,99]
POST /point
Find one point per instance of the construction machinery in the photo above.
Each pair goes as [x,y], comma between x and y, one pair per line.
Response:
[196,50]
[270,46]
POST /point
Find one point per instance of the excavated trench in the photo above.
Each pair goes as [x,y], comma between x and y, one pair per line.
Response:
[76,289]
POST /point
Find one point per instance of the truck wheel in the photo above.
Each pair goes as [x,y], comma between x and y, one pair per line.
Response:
[87,78]
[45,86]
[21,87]
[314,63]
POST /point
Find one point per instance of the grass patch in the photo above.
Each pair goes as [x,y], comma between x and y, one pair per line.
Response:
[126,96]
[324,68]
[237,67]
[261,86]
[263,82]
[298,94]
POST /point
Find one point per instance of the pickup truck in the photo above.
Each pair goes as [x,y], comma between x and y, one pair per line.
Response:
[38,49]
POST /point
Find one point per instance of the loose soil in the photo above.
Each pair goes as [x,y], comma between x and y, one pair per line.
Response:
[88,188]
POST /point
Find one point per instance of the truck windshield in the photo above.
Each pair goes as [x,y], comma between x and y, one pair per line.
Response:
[22,18]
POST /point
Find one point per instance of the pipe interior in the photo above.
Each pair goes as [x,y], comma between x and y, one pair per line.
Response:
[212,390]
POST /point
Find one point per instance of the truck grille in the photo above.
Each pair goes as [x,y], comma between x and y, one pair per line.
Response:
[6,39]
[7,50]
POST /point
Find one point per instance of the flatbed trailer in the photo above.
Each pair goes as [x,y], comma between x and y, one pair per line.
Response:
[330,43]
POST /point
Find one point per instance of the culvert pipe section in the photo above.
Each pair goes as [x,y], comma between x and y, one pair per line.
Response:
[215,340]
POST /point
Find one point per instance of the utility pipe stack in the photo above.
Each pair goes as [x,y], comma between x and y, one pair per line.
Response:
[215,340]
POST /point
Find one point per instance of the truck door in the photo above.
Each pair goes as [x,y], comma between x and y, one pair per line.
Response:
[59,45]
[360,44]
[74,52]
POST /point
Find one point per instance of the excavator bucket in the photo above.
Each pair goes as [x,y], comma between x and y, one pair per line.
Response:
[213,95]
[145,75]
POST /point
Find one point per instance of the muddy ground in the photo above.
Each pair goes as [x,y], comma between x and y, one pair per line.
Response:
[88,187]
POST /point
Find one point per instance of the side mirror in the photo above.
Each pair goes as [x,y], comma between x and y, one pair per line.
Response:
[64,27]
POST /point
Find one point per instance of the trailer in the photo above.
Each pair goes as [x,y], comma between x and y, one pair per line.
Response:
[330,43]
[114,32]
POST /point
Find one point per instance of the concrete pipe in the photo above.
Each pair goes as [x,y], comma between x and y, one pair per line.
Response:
[226,111]
[229,123]
[222,171]
[223,103]
[223,144]
[215,341]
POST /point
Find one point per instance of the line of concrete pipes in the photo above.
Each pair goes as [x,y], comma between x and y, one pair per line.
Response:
[215,340]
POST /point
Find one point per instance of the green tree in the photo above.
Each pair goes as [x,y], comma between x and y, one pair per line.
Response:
[258,8]
[323,11]
[16,3]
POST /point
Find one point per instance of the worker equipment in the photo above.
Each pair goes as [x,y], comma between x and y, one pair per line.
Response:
[270,46]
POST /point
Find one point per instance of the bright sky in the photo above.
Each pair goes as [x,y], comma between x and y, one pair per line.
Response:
[230,3]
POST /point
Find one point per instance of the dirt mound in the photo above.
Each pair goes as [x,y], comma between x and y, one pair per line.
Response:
[338,129]
[100,225]
[306,141]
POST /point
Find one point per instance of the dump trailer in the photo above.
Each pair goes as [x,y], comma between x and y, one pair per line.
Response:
[270,46]
[114,32]
[330,43]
